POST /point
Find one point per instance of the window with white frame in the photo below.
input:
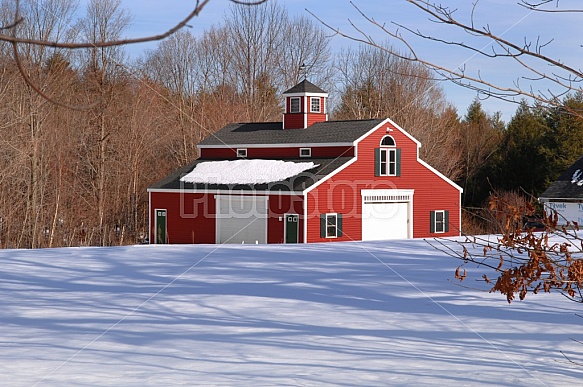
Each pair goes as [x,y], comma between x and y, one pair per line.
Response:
[305,152]
[388,158]
[439,221]
[330,225]
[388,162]
[315,104]
[294,105]
[241,152]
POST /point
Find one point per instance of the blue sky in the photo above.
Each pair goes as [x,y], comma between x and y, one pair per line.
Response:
[502,16]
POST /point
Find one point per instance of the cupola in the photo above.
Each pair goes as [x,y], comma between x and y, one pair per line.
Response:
[305,104]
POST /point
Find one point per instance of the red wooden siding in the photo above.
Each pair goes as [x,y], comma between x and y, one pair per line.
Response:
[341,193]
[218,153]
[293,121]
[316,117]
[189,219]
[191,216]
[276,153]
[278,206]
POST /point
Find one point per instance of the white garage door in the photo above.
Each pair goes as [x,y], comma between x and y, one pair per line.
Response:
[386,214]
[241,219]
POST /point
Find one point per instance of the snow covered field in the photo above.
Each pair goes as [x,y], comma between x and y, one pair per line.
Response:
[349,314]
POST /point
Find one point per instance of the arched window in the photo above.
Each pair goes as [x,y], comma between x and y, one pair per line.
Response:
[388,141]
[388,158]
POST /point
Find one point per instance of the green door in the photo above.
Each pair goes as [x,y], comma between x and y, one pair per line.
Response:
[160,227]
[291,228]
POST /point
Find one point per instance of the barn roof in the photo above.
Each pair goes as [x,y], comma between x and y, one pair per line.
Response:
[328,132]
[295,183]
[305,86]
[569,185]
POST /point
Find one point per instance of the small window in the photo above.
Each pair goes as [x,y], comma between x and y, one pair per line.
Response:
[330,225]
[305,152]
[242,152]
[388,141]
[294,105]
[315,104]
[387,162]
[439,221]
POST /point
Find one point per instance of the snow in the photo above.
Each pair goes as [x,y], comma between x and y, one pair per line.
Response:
[576,179]
[374,314]
[245,171]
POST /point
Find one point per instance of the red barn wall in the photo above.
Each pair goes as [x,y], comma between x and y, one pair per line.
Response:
[189,218]
[316,117]
[293,120]
[276,153]
[279,205]
[341,193]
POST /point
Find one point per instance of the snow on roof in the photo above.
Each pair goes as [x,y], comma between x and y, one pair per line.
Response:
[245,171]
[577,179]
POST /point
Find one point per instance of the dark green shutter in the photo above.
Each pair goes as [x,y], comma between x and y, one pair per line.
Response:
[398,161]
[377,161]
[432,221]
[339,225]
[446,220]
[322,225]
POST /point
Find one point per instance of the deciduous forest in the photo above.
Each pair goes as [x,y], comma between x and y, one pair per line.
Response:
[76,172]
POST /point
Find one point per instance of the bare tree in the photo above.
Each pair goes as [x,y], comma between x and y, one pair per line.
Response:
[27,115]
[543,78]
[377,84]
[105,21]
[176,64]
[13,19]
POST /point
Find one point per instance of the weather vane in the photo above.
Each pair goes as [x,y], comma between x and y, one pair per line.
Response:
[303,70]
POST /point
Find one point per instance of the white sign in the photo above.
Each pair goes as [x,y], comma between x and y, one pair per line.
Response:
[567,211]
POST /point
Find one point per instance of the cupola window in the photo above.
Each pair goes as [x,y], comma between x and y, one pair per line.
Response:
[315,104]
[294,105]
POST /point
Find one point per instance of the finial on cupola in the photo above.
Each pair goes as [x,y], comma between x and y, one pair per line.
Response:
[303,70]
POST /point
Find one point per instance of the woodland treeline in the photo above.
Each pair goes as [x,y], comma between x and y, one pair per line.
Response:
[76,172]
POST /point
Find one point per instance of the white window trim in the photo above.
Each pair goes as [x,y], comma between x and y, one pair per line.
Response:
[291,110]
[319,105]
[385,159]
[388,146]
[242,152]
[335,215]
[309,152]
[442,223]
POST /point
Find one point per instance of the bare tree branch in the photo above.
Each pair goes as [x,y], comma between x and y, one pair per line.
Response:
[537,7]
[16,41]
[78,45]
[558,77]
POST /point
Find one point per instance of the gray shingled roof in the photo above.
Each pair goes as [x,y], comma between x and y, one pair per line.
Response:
[304,86]
[565,187]
[296,183]
[272,133]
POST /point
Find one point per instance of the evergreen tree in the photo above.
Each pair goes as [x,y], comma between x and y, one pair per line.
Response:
[522,161]
[563,143]
[479,138]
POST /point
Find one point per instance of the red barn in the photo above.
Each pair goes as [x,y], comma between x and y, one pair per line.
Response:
[305,179]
